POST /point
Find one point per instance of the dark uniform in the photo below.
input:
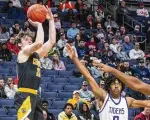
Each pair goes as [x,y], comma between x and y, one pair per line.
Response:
[27,101]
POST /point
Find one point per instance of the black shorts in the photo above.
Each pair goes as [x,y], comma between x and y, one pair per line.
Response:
[28,105]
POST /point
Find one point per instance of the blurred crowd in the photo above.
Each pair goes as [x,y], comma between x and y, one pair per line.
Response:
[94,35]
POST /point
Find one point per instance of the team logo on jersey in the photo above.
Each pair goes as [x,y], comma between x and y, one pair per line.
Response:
[23,110]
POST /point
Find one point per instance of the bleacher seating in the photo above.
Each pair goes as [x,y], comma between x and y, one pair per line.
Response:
[57,86]
[8,118]
[6,103]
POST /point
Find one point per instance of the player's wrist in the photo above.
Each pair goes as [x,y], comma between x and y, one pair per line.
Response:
[51,20]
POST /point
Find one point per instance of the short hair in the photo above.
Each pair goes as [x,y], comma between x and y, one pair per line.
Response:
[44,101]
[68,104]
[110,80]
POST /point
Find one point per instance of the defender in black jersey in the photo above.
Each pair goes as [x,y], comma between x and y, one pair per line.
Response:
[27,101]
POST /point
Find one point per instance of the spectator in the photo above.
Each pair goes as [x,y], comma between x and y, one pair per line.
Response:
[71,33]
[84,13]
[99,13]
[2,92]
[12,11]
[95,72]
[100,32]
[106,51]
[49,116]
[118,37]
[85,36]
[4,35]
[123,30]
[109,21]
[70,16]
[85,93]
[121,11]
[65,54]
[46,63]
[136,52]
[57,63]
[62,42]
[91,45]
[57,22]
[101,44]
[97,20]
[81,49]
[76,100]
[127,45]
[126,68]
[79,5]
[16,3]
[77,40]
[89,22]
[28,27]
[105,76]
[84,112]
[40,2]
[5,54]
[28,4]
[67,113]
[145,115]
[141,70]
[50,3]
[142,12]
[147,64]
[10,88]
[137,31]
[122,55]
[114,46]
[102,84]
[109,33]
[12,46]
[65,4]
[15,29]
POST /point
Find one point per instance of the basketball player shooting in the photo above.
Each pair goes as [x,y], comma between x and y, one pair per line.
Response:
[27,101]
[112,106]
[132,82]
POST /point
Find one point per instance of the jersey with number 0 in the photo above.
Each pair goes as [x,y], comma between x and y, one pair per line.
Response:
[29,73]
[114,109]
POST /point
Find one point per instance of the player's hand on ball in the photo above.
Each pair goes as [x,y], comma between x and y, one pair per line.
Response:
[49,15]
[35,24]
[70,51]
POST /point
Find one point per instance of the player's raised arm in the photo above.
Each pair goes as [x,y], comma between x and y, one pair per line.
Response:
[132,82]
[30,48]
[98,92]
[52,35]
[132,103]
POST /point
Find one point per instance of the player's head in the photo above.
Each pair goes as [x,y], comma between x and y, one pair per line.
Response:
[25,39]
[114,86]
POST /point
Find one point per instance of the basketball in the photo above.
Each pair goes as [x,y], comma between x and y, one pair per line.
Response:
[37,13]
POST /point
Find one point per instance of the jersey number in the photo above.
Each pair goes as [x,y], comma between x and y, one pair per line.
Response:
[38,72]
[115,117]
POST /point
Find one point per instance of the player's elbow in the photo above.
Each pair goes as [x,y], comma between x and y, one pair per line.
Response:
[38,45]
